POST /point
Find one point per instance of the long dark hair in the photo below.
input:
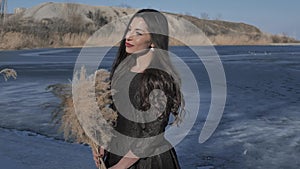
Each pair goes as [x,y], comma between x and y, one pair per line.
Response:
[169,81]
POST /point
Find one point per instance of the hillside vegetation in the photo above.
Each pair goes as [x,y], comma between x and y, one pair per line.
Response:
[67,24]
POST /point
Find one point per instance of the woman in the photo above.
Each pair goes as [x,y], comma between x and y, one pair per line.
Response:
[143,56]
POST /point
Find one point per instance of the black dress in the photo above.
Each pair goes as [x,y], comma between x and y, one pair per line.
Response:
[149,151]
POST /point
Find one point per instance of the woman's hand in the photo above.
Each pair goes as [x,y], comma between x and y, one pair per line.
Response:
[97,154]
[126,162]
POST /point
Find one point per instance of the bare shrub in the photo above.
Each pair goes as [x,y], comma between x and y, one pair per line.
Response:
[204,15]
[74,18]
[99,19]
[12,23]
[283,38]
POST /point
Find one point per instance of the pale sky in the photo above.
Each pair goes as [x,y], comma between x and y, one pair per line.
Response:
[273,16]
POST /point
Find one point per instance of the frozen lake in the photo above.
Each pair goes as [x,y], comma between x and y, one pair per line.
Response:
[259,129]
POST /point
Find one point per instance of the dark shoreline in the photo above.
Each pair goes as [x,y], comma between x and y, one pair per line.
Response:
[78,47]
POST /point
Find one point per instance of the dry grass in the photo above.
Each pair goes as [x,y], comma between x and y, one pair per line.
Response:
[7,73]
[242,39]
[84,113]
[74,27]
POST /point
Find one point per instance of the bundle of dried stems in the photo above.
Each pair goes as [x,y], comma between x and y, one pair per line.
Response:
[84,114]
[7,73]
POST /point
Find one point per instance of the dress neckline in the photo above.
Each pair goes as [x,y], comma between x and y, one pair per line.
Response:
[136,72]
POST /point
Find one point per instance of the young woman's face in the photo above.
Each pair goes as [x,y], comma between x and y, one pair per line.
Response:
[137,37]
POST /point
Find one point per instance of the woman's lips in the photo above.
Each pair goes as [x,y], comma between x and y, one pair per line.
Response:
[128,44]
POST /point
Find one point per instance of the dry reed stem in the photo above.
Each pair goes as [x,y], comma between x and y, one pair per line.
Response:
[7,73]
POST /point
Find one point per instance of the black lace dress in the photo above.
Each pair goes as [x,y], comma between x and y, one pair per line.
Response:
[155,153]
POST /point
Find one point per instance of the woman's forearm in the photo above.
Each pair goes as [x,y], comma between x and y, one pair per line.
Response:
[128,160]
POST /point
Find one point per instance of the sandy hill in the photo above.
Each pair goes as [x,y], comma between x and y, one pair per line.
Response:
[68,24]
[66,10]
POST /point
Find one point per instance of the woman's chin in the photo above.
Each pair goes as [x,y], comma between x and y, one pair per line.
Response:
[129,51]
[143,51]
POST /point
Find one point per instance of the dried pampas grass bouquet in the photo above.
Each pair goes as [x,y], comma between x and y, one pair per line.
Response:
[84,114]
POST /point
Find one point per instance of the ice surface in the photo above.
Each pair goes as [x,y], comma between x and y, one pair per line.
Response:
[259,127]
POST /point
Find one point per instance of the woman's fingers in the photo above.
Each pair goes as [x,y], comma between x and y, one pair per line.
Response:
[97,154]
[101,152]
[96,161]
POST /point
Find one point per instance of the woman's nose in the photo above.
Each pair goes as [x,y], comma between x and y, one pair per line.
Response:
[129,35]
